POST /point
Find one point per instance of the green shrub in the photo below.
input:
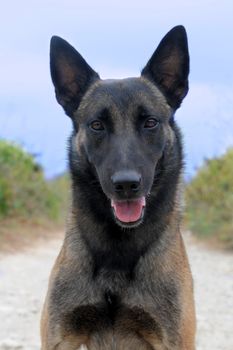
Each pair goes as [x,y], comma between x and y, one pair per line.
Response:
[60,187]
[209,199]
[24,192]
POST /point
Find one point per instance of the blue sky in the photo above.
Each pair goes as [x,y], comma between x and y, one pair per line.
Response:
[117,39]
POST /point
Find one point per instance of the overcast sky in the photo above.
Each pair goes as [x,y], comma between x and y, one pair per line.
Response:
[116,38]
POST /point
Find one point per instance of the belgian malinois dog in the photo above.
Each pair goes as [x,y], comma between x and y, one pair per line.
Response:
[122,279]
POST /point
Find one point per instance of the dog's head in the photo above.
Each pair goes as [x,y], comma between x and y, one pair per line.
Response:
[123,128]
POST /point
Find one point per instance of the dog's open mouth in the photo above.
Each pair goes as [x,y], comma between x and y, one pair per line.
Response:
[129,211]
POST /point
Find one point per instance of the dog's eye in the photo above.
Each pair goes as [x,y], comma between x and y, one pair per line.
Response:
[151,123]
[96,125]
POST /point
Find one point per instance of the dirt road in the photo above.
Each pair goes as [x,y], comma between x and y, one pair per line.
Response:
[23,283]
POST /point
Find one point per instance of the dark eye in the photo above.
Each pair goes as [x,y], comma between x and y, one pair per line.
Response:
[96,125]
[151,123]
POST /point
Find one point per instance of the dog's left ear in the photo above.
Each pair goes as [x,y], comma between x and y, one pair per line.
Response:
[168,67]
[71,75]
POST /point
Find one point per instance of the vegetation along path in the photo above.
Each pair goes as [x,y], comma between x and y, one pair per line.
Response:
[23,283]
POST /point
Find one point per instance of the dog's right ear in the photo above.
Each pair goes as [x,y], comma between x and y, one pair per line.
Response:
[71,75]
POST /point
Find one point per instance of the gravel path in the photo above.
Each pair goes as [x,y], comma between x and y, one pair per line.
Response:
[23,283]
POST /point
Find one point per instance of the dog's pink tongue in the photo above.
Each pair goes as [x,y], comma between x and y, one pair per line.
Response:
[129,211]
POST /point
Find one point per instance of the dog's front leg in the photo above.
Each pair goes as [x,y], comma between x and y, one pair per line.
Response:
[155,342]
[72,343]
[56,341]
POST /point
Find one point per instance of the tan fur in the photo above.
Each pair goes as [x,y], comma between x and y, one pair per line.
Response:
[175,262]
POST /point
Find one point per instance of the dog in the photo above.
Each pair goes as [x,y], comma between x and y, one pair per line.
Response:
[122,278]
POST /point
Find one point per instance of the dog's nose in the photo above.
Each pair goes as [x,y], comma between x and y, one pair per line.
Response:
[127,182]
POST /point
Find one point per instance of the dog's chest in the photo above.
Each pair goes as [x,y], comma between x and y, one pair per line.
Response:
[115,308]
[113,322]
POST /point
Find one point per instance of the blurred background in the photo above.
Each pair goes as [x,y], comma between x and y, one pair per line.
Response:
[116,39]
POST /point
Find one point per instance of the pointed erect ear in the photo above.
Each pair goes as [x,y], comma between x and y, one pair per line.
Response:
[71,75]
[168,67]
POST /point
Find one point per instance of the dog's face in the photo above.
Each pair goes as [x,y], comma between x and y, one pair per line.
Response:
[123,134]
[123,127]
